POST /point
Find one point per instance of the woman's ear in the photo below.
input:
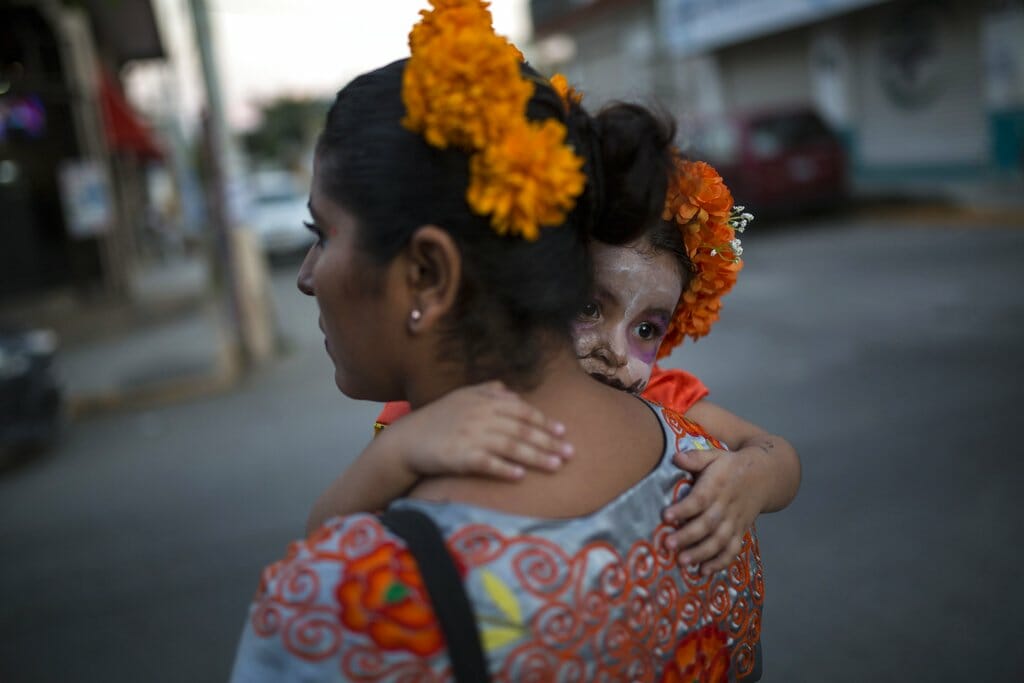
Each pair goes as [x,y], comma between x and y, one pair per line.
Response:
[433,276]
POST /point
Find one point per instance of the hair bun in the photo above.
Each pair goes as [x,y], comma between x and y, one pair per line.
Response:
[634,162]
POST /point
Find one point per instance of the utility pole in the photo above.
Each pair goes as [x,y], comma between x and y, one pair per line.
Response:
[242,263]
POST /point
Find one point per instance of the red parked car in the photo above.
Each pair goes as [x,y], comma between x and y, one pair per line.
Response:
[777,161]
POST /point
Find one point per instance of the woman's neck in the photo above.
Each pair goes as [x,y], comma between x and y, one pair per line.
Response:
[558,366]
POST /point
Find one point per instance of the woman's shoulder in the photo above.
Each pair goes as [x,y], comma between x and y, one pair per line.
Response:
[337,600]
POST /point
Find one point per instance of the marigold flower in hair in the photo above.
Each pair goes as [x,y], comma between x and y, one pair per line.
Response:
[568,94]
[702,207]
[463,88]
[530,179]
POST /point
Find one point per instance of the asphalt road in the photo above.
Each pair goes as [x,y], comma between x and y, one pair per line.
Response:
[891,356]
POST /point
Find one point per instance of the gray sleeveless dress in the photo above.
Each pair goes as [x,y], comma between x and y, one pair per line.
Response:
[593,598]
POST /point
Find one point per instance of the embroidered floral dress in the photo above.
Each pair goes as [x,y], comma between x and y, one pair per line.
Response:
[593,598]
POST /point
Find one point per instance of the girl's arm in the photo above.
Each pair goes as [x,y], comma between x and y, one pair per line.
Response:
[483,429]
[760,473]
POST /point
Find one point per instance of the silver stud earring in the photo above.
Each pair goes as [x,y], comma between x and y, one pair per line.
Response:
[415,315]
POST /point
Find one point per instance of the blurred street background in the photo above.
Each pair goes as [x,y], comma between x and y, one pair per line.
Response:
[168,413]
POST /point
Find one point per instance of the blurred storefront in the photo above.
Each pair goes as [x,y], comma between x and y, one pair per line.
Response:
[72,150]
[924,93]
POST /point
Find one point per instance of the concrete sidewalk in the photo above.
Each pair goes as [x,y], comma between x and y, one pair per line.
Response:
[169,342]
[991,202]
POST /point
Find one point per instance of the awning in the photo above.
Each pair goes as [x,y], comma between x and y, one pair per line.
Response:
[125,131]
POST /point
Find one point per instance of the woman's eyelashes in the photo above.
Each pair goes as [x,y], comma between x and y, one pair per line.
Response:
[317,232]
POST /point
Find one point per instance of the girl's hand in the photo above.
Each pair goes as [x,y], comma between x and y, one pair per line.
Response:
[483,429]
[718,511]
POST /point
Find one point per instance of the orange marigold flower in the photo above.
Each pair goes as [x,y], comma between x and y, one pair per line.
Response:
[701,205]
[463,87]
[470,14]
[569,94]
[698,188]
[528,180]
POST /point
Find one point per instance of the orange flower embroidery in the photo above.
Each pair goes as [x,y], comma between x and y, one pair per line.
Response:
[383,595]
[702,657]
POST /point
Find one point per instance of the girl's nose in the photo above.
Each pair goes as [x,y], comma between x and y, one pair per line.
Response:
[612,351]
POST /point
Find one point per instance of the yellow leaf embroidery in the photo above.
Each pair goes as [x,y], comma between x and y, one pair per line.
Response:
[495,637]
[502,596]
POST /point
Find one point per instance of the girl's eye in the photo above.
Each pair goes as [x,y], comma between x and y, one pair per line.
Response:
[312,227]
[589,310]
[647,331]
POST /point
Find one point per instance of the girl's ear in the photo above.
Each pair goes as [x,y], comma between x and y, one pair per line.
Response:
[433,274]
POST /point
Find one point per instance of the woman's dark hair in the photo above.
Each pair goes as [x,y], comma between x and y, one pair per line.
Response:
[393,182]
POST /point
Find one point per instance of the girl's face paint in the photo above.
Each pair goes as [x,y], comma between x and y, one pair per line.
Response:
[618,332]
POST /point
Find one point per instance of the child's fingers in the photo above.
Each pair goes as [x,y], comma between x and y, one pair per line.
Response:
[537,432]
[490,465]
[695,503]
[695,461]
[513,406]
[697,530]
[534,450]
[710,547]
[724,558]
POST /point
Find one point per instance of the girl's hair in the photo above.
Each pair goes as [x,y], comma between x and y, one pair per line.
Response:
[393,182]
[664,236]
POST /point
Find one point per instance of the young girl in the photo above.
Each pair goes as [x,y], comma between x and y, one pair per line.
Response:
[647,296]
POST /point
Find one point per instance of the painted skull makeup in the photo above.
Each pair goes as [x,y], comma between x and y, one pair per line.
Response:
[617,334]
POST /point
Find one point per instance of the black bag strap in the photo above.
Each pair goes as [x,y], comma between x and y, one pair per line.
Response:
[446,591]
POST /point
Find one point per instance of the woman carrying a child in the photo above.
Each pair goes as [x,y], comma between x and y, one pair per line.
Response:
[454,196]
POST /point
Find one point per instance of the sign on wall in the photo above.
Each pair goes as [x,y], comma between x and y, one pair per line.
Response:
[85,196]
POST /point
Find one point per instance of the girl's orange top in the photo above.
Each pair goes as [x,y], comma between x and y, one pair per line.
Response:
[677,390]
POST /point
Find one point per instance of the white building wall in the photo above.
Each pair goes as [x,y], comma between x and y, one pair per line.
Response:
[949,125]
[768,72]
[614,57]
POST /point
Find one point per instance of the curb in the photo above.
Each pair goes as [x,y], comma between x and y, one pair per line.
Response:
[944,214]
[225,374]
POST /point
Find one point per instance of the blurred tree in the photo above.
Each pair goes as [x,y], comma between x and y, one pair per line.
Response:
[287,130]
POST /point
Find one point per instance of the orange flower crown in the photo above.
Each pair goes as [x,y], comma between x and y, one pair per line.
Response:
[462,87]
[702,206]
